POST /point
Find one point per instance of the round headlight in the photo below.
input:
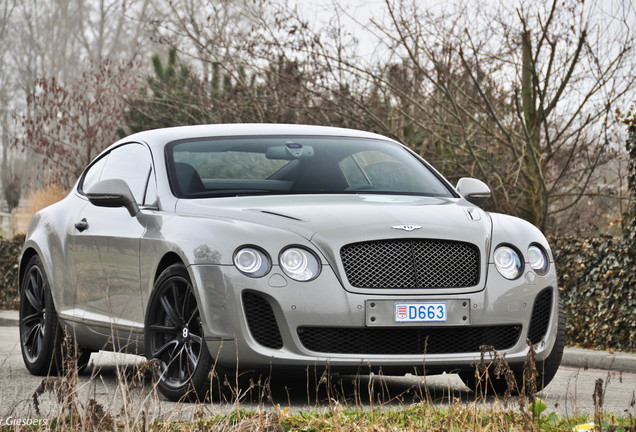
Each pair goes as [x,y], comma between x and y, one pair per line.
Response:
[508,262]
[299,264]
[538,259]
[252,262]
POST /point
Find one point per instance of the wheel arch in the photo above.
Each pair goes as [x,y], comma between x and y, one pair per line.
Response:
[28,253]
[170,258]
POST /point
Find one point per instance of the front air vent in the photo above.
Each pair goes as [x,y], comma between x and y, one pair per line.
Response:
[540,318]
[261,321]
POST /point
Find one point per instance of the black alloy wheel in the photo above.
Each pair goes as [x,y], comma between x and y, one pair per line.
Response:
[40,332]
[174,336]
[41,335]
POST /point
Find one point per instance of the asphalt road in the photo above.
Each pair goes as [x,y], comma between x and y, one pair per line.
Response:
[115,383]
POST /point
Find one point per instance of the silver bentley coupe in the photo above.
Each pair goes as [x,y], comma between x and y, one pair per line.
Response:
[283,247]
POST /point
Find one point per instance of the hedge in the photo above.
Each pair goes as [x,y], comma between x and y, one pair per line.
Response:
[597,281]
[9,259]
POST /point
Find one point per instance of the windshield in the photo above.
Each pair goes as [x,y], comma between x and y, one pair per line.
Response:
[216,167]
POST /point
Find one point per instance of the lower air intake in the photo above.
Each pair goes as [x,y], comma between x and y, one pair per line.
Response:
[407,340]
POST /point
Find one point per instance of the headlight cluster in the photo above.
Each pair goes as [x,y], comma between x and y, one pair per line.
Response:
[296,262]
[252,261]
[299,264]
[538,259]
[509,264]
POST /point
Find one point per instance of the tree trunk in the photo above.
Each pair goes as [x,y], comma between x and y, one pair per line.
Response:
[535,205]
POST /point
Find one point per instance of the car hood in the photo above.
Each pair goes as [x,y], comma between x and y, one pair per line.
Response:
[334,219]
[330,222]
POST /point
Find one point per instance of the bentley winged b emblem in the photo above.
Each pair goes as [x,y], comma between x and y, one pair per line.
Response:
[406,227]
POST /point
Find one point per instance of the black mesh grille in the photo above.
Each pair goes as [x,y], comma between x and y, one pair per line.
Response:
[407,340]
[261,321]
[540,316]
[411,263]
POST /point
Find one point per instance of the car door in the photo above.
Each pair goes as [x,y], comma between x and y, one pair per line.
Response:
[105,248]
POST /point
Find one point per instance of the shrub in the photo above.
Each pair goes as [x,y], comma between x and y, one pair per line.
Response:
[596,282]
[9,260]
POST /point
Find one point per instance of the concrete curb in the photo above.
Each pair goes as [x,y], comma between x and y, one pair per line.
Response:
[9,318]
[572,357]
[590,359]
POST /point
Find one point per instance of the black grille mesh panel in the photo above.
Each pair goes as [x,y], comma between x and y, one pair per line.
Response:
[261,321]
[540,316]
[407,340]
[411,263]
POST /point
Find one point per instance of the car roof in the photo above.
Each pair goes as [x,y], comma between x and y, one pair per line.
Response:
[160,137]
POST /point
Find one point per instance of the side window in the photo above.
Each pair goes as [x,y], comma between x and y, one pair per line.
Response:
[92,174]
[131,163]
[150,199]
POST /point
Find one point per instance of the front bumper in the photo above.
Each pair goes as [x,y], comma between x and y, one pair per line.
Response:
[273,322]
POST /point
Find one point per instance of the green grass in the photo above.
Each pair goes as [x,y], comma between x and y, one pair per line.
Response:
[420,417]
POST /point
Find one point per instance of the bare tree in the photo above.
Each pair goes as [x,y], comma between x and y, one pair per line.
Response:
[64,49]
[9,165]
[69,124]
[522,97]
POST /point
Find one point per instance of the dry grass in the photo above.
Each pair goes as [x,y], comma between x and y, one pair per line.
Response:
[369,409]
[355,403]
[38,200]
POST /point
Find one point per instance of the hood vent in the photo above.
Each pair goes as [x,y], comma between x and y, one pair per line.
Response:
[269,212]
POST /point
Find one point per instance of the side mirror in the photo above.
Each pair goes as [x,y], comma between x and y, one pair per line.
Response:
[475,191]
[113,193]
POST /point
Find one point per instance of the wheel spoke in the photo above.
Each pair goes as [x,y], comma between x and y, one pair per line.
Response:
[35,317]
[27,339]
[196,338]
[163,348]
[38,291]
[162,329]
[31,295]
[182,367]
[39,340]
[173,370]
[192,313]
[169,309]
[192,358]
[174,290]
[187,304]
[169,372]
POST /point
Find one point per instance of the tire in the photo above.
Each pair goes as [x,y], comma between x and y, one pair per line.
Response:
[174,336]
[41,336]
[546,370]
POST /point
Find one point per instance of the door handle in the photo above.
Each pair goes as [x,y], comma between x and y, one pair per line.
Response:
[81,225]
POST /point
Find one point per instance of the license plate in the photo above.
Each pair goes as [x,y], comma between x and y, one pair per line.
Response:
[420,312]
